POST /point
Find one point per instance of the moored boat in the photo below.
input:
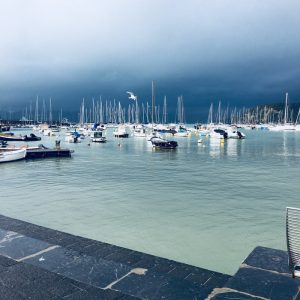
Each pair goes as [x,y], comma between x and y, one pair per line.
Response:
[97,137]
[120,132]
[12,155]
[160,143]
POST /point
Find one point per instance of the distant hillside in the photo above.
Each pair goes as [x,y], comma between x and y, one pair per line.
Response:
[280,106]
[275,112]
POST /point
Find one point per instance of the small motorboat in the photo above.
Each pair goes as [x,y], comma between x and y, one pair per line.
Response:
[73,137]
[139,131]
[97,137]
[218,134]
[160,143]
[235,134]
[4,128]
[120,132]
[31,138]
[12,138]
[12,155]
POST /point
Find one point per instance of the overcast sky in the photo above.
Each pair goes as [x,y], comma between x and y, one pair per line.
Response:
[240,52]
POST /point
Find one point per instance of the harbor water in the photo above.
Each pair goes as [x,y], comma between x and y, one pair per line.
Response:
[206,204]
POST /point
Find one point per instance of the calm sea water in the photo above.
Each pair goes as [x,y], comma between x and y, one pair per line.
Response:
[207,205]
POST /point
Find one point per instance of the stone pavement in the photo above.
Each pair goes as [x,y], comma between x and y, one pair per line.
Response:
[41,263]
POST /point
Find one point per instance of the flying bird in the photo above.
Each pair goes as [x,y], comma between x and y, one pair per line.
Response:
[132,96]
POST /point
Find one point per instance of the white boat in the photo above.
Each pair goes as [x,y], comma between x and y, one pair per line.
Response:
[235,134]
[218,134]
[286,126]
[12,155]
[139,131]
[97,137]
[159,143]
[181,131]
[73,137]
[120,132]
[48,132]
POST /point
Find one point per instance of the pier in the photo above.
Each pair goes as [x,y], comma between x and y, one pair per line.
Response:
[42,263]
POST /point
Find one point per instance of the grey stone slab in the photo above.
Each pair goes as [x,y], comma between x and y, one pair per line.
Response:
[156,286]
[7,262]
[268,259]
[94,271]
[208,278]
[83,268]
[33,283]
[264,284]
[96,293]
[99,249]
[155,263]
[132,258]
[234,296]
[17,246]
[183,271]
[119,256]
[8,293]
[55,259]
[80,243]
[163,268]
[217,280]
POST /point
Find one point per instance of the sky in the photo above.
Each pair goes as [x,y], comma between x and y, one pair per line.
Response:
[242,53]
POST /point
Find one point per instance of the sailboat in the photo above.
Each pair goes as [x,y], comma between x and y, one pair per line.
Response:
[286,126]
[157,141]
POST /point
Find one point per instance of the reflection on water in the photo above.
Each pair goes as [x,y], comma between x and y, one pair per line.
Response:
[206,204]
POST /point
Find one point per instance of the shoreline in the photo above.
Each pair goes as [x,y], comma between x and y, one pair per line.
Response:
[38,262]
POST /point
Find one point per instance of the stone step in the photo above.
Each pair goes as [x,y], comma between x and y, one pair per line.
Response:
[263,275]
[95,267]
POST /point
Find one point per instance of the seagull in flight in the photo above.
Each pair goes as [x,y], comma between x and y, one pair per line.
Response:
[131,96]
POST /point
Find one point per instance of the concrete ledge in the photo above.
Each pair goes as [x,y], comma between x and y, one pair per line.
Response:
[263,275]
[41,263]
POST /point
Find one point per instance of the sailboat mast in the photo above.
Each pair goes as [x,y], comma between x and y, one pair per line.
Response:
[153,102]
[286,108]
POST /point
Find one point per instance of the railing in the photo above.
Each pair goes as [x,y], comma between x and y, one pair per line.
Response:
[293,239]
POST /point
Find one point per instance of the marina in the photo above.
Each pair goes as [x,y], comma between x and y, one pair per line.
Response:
[150,150]
[65,266]
[237,191]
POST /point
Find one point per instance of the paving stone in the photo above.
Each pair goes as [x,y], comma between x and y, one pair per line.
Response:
[268,259]
[264,284]
[96,293]
[99,249]
[93,271]
[7,262]
[119,255]
[17,246]
[208,278]
[80,267]
[83,268]
[234,296]
[217,280]
[157,286]
[55,259]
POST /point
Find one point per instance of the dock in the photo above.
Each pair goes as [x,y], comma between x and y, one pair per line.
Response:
[46,153]
[42,263]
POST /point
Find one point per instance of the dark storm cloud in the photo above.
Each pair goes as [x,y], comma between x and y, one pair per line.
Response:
[240,52]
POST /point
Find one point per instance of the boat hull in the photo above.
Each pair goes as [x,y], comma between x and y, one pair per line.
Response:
[9,156]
